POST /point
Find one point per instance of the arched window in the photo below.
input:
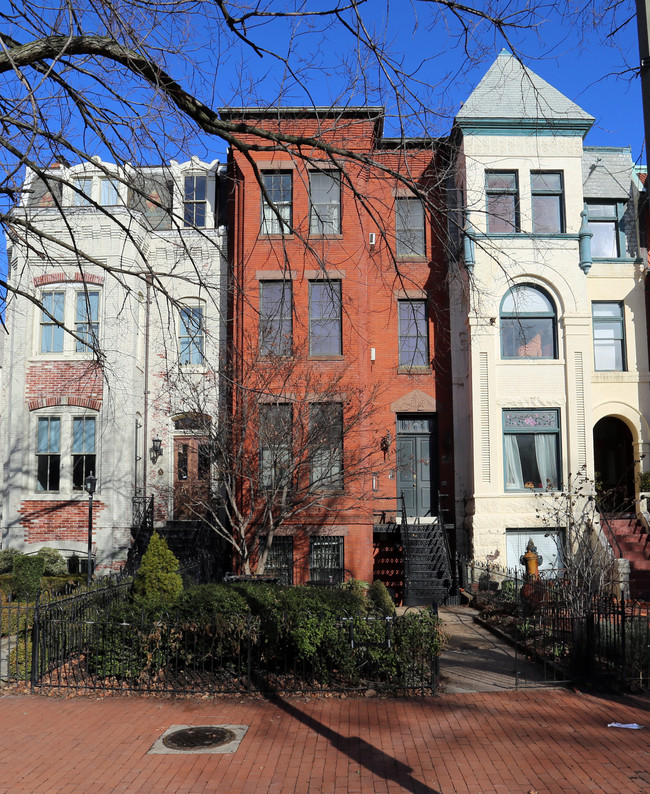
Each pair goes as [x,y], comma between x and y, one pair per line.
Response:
[528,324]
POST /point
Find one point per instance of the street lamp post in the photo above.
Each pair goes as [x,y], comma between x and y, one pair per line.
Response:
[89,486]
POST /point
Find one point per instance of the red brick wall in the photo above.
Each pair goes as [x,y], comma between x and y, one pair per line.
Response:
[75,380]
[372,282]
[65,520]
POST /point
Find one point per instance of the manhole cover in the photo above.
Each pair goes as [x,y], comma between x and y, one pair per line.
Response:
[200,737]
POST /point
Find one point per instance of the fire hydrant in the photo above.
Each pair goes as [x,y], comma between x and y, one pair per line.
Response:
[531,560]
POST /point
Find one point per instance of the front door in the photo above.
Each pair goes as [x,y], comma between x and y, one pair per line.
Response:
[417,470]
[191,477]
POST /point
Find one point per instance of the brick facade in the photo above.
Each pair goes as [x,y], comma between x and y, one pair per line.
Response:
[56,520]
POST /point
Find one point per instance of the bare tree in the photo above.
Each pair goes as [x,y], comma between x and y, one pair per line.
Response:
[139,81]
[586,556]
[288,445]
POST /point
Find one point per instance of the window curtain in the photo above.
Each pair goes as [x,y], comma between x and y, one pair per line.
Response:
[514,475]
[545,454]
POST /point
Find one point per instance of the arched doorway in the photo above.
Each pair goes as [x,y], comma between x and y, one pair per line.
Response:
[614,465]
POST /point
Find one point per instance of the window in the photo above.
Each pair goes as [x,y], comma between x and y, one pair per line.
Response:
[409,227]
[609,336]
[275,318]
[51,315]
[152,196]
[191,335]
[109,194]
[528,324]
[549,544]
[413,334]
[81,196]
[325,318]
[195,203]
[326,441]
[87,320]
[608,241]
[278,186]
[275,428]
[204,461]
[83,450]
[502,201]
[324,202]
[531,449]
[48,453]
[548,202]
[279,561]
[326,560]
[45,193]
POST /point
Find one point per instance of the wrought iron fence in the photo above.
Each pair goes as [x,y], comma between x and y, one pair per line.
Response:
[232,654]
[598,640]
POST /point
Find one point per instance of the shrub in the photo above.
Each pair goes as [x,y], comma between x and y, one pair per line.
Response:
[27,575]
[158,581]
[380,598]
[55,565]
[7,557]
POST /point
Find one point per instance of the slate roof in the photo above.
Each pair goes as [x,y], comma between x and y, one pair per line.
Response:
[607,173]
[511,91]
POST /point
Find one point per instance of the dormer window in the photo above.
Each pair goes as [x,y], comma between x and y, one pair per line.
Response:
[608,241]
[195,201]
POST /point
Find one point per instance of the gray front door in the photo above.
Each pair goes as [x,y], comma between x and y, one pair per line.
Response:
[417,474]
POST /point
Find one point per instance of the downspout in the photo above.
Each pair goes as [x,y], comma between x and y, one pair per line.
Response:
[145,413]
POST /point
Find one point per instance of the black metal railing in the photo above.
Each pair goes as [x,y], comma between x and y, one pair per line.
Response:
[598,640]
[233,654]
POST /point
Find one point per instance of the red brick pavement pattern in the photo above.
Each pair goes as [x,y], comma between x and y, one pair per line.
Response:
[507,742]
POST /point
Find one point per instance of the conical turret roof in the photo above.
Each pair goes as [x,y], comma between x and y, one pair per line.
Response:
[511,96]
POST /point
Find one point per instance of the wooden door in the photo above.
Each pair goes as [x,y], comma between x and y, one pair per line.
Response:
[191,477]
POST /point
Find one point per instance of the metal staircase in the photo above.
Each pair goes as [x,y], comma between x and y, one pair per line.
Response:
[427,560]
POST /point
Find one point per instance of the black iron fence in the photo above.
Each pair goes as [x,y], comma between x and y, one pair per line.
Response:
[572,635]
[234,654]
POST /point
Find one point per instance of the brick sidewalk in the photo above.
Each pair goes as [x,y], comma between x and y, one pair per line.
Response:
[508,742]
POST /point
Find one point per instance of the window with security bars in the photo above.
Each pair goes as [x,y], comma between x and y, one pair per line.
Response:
[52,317]
[275,431]
[87,321]
[409,227]
[325,202]
[48,453]
[83,450]
[191,336]
[413,334]
[276,209]
[275,318]
[326,560]
[325,318]
[326,437]
[279,561]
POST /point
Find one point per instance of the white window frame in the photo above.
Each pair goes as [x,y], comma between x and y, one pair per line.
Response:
[190,342]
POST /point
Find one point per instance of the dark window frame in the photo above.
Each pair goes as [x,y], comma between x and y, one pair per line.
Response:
[515,321]
[327,559]
[326,442]
[494,192]
[544,192]
[319,323]
[275,445]
[612,219]
[276,318]
[523,424]
[410,240]
[420,351]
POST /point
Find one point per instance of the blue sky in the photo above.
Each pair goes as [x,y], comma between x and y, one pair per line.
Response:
[591,68]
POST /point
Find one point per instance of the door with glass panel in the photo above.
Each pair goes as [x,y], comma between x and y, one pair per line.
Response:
[417,470]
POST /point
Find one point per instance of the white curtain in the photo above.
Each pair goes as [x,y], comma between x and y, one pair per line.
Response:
[546,459]
[514,476]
